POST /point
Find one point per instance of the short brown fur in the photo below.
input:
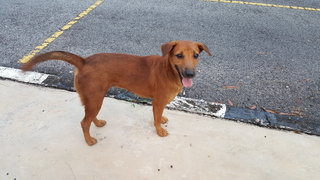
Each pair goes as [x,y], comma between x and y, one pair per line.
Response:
[156,77]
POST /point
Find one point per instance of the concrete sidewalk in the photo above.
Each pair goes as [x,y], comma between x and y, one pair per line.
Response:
[41,138]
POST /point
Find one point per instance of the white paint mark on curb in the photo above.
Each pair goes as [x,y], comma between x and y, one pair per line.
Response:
[222,111]
[17,74]
[198,106]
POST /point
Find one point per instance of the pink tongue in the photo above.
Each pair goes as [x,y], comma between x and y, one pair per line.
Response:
[187,82]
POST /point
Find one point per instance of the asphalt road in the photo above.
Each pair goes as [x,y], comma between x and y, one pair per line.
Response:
[263,56]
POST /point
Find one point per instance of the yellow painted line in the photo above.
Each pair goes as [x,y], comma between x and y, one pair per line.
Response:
[55,35]
[268,5]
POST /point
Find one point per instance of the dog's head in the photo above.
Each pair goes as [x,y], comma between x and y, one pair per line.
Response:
[183,56]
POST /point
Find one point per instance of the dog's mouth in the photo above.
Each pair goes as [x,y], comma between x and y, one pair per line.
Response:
[186,82]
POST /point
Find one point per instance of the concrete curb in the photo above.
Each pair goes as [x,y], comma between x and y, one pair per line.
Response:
[256,117]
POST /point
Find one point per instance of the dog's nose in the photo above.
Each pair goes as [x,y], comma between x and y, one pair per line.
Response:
[189,73]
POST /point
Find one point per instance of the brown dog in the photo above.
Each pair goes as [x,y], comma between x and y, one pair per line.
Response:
[158,77]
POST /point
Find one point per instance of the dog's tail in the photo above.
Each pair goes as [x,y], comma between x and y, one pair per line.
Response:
[57,55]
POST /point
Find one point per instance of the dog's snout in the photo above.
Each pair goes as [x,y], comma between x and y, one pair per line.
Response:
[189,73]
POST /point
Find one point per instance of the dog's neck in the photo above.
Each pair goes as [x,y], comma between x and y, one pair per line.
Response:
[170,70]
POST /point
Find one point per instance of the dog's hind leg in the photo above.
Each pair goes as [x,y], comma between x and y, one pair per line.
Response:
[99,123]
[92,107]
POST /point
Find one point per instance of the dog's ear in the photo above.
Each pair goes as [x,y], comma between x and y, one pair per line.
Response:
[167,47]
[203,47]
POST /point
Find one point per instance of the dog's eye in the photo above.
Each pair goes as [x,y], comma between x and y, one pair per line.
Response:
[180,56]
[196,56]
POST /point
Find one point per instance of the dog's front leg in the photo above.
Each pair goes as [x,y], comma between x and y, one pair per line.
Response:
[158,108]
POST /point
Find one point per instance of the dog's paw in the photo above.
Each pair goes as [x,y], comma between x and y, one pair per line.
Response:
[164,120]
[162,132]
[91,141]
[100,123]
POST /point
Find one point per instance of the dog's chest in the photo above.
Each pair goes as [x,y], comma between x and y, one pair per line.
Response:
[174,91]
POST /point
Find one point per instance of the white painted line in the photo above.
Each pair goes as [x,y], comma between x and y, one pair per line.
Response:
[222,112]
[198,106]
[18,75]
